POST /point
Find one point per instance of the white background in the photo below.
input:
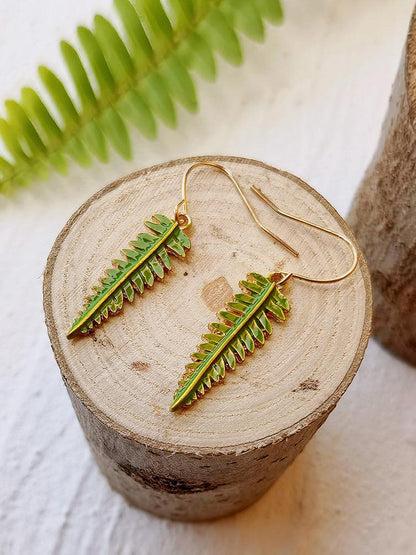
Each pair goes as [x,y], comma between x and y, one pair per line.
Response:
[311,101]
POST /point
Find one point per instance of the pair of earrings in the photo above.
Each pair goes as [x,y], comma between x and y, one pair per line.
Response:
[245,321]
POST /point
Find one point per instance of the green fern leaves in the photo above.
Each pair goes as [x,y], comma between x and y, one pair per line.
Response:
[146,260]
[245,323]
[134,75]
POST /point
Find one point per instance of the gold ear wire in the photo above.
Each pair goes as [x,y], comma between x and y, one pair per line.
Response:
[276,209]
[184,220]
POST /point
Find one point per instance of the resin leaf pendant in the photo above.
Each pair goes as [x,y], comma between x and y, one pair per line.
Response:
[146,260]
[245,324]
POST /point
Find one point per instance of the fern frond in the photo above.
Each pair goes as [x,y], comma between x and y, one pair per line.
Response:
[245,324]
[121,78]
[145,261]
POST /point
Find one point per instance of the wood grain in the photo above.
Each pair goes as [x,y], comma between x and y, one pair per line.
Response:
[225,451]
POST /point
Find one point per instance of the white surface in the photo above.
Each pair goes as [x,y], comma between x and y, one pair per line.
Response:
[310,101]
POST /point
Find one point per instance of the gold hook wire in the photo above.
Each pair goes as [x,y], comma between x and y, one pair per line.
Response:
[278,210]
[184,221]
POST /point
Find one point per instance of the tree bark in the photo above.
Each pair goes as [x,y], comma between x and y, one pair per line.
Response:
[383,214]
[227,449]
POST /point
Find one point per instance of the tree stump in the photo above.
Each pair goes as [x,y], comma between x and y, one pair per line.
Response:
[226,450]
[383,215]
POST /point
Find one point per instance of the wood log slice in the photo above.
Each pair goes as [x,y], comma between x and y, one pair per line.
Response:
[228,448]
[383,215]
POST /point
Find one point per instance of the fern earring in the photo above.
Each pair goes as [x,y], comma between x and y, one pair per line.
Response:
[245,321]
[146,260]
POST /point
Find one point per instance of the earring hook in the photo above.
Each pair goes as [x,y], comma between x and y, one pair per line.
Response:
[274,207]
[184,220]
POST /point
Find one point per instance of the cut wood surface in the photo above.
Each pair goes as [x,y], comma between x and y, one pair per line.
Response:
[227,449]
[383,214]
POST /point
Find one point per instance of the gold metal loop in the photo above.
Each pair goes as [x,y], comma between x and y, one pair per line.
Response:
[181,211]
[276,209]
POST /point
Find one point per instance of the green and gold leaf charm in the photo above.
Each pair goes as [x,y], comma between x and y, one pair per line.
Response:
[146,260]
[245,324]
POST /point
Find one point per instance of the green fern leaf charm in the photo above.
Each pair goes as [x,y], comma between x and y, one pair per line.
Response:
[146,260]
[245,324]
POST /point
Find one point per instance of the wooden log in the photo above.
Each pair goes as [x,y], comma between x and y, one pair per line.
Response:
[225,451]
[383,214]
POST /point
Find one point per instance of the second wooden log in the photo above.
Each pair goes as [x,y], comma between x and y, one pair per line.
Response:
[383,215]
